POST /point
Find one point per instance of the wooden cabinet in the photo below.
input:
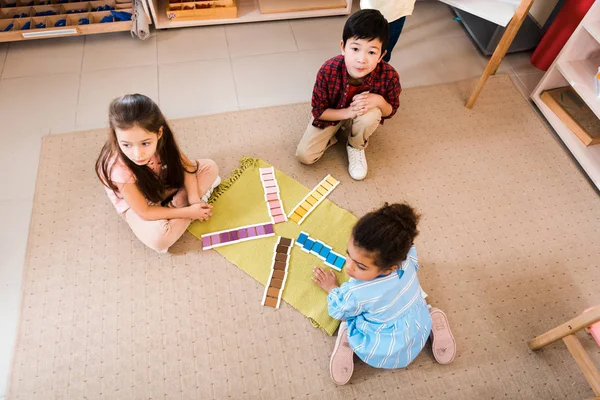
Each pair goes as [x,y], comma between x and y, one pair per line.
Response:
[576,66]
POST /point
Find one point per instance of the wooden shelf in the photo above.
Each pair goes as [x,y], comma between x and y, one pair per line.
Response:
[580,75]
[576,65]
[248,11]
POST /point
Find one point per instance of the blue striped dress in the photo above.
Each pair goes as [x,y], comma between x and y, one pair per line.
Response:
[388,319]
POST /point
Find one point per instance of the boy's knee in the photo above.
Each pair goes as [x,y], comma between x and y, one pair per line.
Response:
[304,157]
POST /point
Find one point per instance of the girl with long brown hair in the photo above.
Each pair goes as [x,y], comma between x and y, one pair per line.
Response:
[151,183]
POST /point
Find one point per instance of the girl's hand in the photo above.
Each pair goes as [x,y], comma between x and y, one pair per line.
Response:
[326,280]
[200,211]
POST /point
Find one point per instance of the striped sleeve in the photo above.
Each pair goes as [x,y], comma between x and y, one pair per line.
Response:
[341,303]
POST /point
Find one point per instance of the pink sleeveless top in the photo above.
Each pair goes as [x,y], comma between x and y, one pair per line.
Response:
[120,173]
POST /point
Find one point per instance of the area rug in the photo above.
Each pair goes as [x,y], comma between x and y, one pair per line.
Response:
[509,247]
[241,201]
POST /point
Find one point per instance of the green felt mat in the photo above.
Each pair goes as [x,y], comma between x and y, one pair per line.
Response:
[240,201]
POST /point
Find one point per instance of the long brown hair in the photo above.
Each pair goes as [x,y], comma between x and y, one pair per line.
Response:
[139,110]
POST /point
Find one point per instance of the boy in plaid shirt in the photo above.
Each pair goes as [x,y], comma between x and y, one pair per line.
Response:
[357,87]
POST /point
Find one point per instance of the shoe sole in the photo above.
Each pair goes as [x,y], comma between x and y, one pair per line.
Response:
[341,357]
[442,340]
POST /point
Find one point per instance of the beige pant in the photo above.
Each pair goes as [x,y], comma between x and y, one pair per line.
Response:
[315,140]
[160,234]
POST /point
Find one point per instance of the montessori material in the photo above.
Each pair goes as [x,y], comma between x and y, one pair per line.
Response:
[313,199]
[236,235]
[272,197]
[321,250]
[279,269]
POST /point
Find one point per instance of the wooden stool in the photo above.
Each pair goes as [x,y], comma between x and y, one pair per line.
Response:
[567,332]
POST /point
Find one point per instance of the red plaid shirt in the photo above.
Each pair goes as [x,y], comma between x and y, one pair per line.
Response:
[331,88]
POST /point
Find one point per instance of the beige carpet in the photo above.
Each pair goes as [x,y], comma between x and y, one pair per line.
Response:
[509,244]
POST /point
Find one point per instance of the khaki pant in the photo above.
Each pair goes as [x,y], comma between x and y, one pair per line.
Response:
[160,234]
[315,140]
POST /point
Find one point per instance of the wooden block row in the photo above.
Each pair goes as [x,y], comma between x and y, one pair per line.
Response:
[278,276]
[272,196]
[236,235]
[313,199]
[321,250]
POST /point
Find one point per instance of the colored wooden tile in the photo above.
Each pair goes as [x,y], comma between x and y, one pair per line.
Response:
[311,200]
[327,185]
[331,180]
[269,229]
[279,218]
[317,247]
[339,262]
[215,239]
[302,238]
[300,211]
[285,241]
[252,231]
[233,235]
[279,274]
[224,237]
[271,302]
[308,244]
[260,230]
[276,283]
[316,195]
[274,204]
[266,170]
[325,251]
[280,265]
[282,249]
[272,196]
[296,217]
[276,211]
[273,292]
[271,190]
[331,258]
[281,257]
[206,241]
[321,190]
[243,233]
[306,205]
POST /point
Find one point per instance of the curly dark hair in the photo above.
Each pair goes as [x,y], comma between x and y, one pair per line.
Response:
[388,233]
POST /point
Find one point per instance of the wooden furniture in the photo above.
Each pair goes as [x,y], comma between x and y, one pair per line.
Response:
[567,332]
[576,66]
[38,19]
[247,11]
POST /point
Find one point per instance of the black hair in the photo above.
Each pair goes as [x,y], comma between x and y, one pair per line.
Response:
[387,233]
[369,25]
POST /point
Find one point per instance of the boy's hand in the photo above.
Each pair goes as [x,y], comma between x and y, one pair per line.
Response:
[365,101]
[326,280]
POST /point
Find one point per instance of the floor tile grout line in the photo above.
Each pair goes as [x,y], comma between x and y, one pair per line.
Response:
[235,86]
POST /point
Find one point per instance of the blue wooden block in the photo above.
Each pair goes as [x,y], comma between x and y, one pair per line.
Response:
[331,258]
[339,262]
[317,247]
[302,238]
[308,244]
[324,253]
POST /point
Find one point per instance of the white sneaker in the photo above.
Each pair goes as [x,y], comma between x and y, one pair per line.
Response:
[216,183]
[357,163]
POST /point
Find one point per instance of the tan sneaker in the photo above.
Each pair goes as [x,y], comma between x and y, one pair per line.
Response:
[444,345]
[341,363]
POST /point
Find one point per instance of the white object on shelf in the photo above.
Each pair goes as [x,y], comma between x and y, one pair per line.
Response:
[576,65]
[499,12]
[248,11]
